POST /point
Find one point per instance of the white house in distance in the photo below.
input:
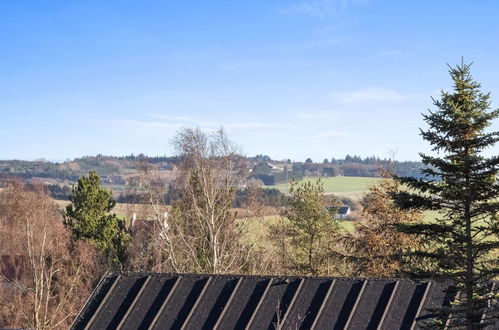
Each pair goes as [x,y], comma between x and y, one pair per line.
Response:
[341,211]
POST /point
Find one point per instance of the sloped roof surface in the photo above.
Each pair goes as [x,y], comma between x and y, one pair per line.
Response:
[167,301]
[342,210]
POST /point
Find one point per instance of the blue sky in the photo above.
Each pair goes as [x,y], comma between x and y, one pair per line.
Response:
[291,79]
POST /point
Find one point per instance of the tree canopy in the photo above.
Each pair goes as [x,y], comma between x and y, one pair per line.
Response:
[462,244]
[311,227]
[90,219]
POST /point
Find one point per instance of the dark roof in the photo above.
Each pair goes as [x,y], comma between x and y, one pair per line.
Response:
[342,210]
[165,301]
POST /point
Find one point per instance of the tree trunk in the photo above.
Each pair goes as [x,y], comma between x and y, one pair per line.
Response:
[469,256]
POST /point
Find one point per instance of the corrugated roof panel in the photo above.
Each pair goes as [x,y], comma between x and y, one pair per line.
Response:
[134,307]
[320,301]
[372,304]
[183,301]
[307,303]
[249,295]
[275,304]
[340,304]
[438,295]
[212,303]
[116,306]
[183,298]
[400,306]
[149,302]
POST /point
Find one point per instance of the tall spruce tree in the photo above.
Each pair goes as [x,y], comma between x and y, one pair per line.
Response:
[460,183]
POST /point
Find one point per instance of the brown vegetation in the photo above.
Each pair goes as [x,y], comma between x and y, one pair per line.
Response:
[375,245]
[44,275]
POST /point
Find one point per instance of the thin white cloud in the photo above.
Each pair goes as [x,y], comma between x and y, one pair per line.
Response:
[162,128]
[321,8]
[316,115]
[311,44]
[326,29]
[260,128]
[146,126]
[329,135]
[230,66]
[371,94]
[171,118]
[390,52]
[394,52]
[249,126]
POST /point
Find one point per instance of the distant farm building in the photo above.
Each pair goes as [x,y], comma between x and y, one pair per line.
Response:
[341,211]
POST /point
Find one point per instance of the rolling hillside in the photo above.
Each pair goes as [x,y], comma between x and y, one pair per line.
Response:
[341,186]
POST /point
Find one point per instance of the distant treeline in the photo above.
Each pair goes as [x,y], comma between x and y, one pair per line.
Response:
[59,192]
[279,172]
[349,166]
[27,170]
[71,170]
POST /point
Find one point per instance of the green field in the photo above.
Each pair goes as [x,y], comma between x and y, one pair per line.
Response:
[258,229]
[341,186]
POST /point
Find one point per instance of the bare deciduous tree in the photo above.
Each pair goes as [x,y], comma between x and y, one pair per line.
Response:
[254,199]
[152,247]
[56,274]
[211,170]
[199,232]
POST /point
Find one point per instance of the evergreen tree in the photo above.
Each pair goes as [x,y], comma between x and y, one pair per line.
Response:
[311,228]
[462,244]
[90,219]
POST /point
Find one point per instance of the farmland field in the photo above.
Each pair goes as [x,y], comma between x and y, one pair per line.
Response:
[341,186]
[258,228]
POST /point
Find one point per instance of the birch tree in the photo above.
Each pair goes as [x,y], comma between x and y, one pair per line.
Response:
[55,274]
[210,171]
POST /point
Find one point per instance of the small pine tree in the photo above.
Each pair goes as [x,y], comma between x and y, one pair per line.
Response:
[461,184]
[311,228]
[89,218]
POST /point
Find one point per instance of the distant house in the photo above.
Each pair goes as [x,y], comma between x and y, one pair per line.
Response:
[113,180]
[341,211]
[188,301]
[275,167]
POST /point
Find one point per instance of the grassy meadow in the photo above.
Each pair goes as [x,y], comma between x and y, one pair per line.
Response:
[341,186]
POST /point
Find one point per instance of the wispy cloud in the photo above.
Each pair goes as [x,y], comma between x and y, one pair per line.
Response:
[374,94]
[390,52]
[230,66]
[394,52]
[169,126]
[321,8]
[258,128]
[172,118]
[250,126]
[321,43]
[316,115]
[146,126]
[329,135]
[332,13]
